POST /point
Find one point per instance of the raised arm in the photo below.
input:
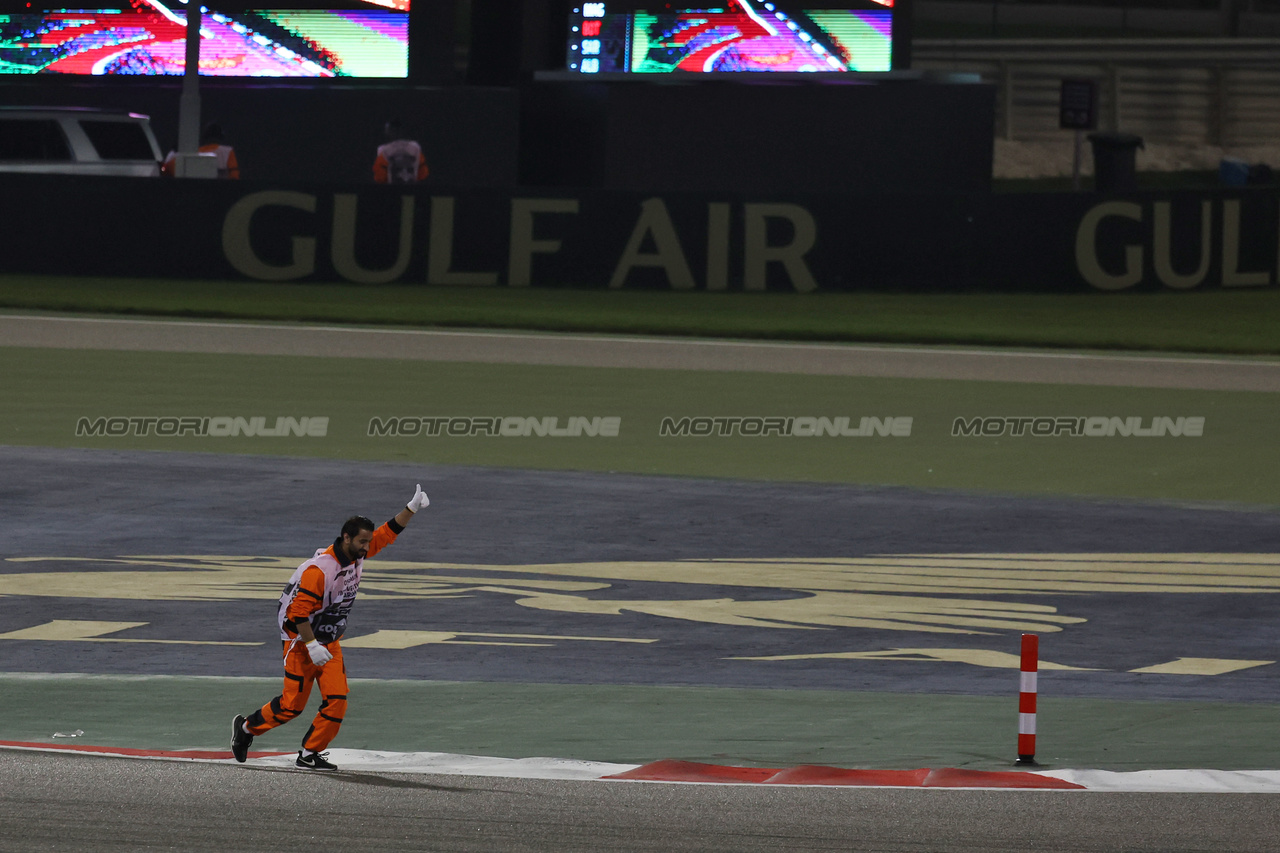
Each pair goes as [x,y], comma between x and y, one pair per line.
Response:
[385,535]
[417,502]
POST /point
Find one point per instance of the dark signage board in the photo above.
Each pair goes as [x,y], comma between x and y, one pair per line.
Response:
[1078,105]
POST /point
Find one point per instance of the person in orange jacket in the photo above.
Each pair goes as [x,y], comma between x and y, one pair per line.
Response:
[313,617]
[399,160]
[211,142]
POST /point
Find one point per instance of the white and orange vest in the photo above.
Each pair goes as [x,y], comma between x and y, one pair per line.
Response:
[323,590]
[400,162]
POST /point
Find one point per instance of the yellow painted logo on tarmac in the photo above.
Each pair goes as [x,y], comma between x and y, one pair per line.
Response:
[87,631]
[976,657]
[936,593]
[1006,660]
[99,632]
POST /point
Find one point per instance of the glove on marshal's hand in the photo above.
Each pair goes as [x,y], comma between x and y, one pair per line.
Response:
[418,501]
[319,654]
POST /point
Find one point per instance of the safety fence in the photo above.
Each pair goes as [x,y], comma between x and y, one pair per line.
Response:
[1223,92]
[1247,18]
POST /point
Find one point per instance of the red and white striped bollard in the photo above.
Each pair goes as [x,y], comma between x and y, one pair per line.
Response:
[1027,701]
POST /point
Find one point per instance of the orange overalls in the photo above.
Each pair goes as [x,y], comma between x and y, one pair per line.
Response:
[321,591]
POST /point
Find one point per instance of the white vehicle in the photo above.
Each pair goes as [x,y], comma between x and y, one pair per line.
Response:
[77,141]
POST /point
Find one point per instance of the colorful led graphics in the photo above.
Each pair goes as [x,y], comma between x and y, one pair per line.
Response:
[740,36]
[371,39]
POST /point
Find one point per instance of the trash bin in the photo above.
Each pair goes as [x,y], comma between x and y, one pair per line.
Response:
[1233,172]
[1115,161]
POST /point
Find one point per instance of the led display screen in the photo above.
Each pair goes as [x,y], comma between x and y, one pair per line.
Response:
[147,37]
[742,35]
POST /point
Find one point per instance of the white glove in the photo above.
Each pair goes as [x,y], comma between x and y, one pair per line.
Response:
[418,501]
[319,654]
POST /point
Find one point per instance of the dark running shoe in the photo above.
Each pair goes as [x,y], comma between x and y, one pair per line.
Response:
[314,761]
[240,739]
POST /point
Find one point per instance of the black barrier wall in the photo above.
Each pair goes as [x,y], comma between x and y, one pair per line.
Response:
[1138,241]
[601,239]
[786,136]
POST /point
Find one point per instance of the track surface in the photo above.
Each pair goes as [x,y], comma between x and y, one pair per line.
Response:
[104,804]
[104,504]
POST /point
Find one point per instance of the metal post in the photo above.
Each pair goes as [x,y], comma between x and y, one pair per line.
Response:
[1113,80]
[189,103]
[1006,97]
[1229,14]
[1077,160]
[1218,108]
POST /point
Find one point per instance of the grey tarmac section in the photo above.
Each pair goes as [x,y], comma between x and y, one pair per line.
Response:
[92,804]
[79,503]
[108,502]
[1219,374]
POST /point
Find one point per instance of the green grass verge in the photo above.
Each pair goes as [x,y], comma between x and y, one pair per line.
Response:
[636,724]
[49,390]
[1240,322]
